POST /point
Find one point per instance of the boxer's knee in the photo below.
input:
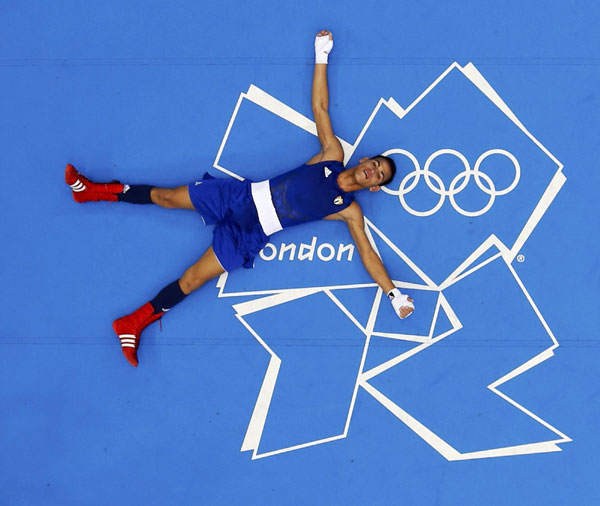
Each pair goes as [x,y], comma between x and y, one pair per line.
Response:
[164,197]
[192,279]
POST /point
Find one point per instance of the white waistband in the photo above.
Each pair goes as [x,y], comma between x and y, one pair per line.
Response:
[261,194]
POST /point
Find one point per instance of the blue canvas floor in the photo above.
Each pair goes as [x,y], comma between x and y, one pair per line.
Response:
[294,383]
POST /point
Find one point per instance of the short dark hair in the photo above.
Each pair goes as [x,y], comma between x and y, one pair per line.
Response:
[392,167]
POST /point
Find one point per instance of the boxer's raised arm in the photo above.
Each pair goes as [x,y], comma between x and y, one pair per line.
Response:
[331,149]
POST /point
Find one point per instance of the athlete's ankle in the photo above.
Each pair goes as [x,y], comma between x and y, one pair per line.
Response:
[168,297]
[136,194]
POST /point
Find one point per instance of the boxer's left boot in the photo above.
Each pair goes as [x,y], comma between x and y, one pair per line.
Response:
[129,329]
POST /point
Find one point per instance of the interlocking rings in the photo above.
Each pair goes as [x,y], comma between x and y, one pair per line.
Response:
[461,180]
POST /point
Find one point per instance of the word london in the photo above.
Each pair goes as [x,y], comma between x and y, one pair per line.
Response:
[325,252]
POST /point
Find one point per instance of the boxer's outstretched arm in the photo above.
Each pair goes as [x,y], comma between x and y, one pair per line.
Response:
[354,219]
[331,149]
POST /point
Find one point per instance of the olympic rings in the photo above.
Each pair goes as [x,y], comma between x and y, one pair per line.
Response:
[459,183]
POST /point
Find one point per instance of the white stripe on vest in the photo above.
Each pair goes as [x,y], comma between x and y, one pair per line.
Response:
[261,194]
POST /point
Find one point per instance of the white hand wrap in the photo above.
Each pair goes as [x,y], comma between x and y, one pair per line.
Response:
[322,47]
[399,300]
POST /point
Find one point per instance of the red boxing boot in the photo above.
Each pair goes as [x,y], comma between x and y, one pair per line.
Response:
[129,328]
[85,190]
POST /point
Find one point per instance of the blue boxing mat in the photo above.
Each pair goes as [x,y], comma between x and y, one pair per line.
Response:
[294,382]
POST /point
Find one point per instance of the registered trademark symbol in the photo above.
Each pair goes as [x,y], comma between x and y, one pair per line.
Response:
[520,258]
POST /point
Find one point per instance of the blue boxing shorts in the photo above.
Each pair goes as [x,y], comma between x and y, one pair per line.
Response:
[228,204]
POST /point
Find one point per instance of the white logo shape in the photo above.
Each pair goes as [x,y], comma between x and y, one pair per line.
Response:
[338,201]
[457,185]
[507,250]
[327,172]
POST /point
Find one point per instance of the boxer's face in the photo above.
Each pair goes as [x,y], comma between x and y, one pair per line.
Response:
[372,172]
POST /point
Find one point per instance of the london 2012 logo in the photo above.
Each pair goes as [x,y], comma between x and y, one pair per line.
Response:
[472,184]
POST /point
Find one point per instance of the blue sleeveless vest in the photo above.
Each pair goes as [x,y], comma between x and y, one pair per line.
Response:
[308,193]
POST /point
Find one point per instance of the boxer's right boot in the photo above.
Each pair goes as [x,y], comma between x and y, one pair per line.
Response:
[85,190]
